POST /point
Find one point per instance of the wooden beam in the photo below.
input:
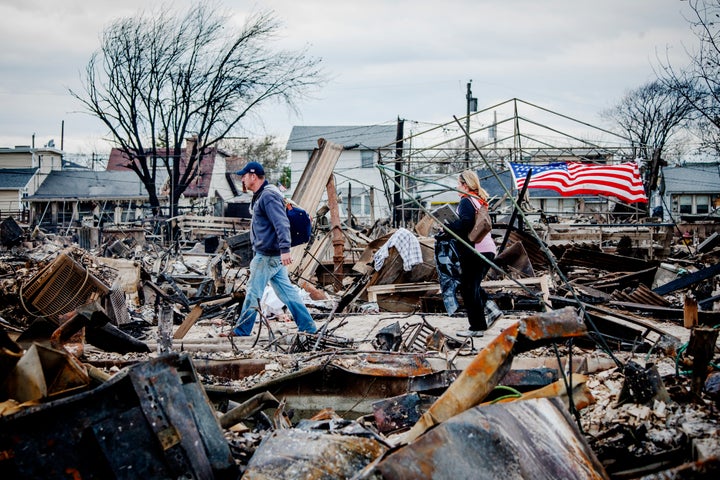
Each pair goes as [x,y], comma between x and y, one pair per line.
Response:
[338,240]
[189,321]
[375,290]
[197,311]
[543,282]
[312,185]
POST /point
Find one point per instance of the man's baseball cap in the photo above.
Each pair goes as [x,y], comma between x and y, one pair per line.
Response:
[252,167]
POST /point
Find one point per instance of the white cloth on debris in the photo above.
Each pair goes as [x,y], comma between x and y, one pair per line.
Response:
[407,245]
[272,305]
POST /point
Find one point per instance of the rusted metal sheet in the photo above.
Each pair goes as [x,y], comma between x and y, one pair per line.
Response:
[493,362]
[348,383]
[301,454]
[151,420]
[533,439]
[383,364]
[641,294]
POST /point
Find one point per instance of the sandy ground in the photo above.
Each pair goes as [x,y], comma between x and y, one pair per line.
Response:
[358,329]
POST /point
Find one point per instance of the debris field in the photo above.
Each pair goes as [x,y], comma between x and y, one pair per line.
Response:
[115,363]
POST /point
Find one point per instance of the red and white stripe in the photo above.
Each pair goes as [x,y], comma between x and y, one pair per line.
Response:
[621,181]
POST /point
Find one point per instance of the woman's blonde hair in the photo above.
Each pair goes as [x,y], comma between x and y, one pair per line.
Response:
[470,178]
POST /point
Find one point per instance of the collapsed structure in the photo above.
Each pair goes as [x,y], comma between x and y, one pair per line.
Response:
[113,362]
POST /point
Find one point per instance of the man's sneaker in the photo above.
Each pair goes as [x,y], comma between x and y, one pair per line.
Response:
[470,333]
[492,312]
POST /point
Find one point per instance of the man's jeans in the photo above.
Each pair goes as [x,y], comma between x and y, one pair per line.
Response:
[263,270]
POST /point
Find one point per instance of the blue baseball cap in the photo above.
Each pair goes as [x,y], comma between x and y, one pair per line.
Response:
[252,167]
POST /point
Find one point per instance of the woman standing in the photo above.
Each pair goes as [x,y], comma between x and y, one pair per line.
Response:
[473,268]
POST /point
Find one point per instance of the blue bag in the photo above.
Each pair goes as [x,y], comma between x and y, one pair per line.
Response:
[300,225]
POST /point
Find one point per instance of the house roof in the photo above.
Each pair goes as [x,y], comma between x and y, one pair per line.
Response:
[200,183]
[29,150]
[90,185]
[365,137]
[15,178]
[692,178]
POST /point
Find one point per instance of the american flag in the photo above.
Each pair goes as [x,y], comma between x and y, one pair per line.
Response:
[573,178]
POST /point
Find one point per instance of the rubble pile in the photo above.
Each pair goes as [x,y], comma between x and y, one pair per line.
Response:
[602,365]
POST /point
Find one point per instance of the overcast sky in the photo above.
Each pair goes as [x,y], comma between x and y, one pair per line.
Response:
[384,58]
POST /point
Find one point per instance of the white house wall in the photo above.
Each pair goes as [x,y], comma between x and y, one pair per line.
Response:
[219,183]
[349,173]
[44,160]
[9,201]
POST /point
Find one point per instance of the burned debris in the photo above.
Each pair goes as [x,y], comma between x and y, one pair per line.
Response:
[115,360]
[383,389]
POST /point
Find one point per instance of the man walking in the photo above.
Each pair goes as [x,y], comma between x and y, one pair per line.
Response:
[270,239]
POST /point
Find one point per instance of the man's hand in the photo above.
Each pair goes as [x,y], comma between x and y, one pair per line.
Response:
[286,258]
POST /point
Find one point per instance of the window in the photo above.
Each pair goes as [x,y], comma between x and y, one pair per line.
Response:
[685,204]
[702,204]
[568,205]
[550,206]
[367,159]
[361,205]
[691,204]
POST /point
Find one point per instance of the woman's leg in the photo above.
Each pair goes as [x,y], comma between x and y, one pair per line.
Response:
[472,284]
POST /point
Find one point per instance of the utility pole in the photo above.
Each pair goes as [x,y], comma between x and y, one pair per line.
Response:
[398,212]
[471,107]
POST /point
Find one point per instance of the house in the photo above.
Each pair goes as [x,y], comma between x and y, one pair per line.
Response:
[691,191]
[209,188]
[90,197]
[689,198]
[73,196]
[22,171]
[358,180]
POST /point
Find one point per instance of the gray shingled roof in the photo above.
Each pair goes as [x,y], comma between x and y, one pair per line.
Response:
[367,137]
[76,184]
[15,178]
[692,178]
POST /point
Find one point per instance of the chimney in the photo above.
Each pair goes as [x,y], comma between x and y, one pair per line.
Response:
[190,143]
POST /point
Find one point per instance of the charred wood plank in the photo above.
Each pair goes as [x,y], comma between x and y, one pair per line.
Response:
[702,348]
[704,317]
[585,257]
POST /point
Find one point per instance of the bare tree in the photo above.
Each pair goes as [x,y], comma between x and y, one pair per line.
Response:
[266,150]
[160,79]
[699,82]
[649,116]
